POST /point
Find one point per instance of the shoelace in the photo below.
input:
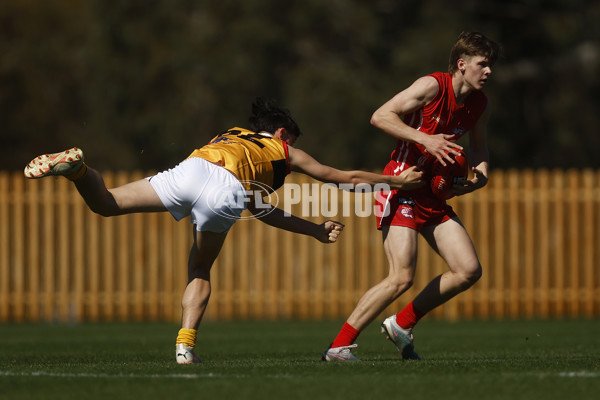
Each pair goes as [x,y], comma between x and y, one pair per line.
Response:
[346,349]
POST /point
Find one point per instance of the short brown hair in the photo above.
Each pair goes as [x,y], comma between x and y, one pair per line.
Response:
[472,44]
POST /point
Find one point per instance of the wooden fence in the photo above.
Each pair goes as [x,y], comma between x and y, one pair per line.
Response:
[537,234]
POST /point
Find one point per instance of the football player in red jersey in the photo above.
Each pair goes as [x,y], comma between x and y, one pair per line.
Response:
[427,118]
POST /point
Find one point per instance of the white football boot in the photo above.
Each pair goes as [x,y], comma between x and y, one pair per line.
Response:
[341,353]
[402,338]
[185,355]
[64,163]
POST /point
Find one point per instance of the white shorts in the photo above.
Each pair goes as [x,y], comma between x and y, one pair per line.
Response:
[213,196]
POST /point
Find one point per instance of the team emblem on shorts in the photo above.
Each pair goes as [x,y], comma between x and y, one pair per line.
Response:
[406,207]
[407,212]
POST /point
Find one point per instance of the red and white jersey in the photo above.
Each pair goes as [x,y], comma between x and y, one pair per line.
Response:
[418,208]
[441,115]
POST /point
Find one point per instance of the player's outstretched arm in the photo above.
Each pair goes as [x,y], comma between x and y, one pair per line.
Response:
[327,232]
[300,161]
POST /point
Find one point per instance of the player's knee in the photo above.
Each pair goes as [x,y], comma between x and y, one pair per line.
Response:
[471,276]
[476,274]
[400,283]
[102,209]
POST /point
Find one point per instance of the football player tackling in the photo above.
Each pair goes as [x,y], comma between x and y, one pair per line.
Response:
[222,170]
[427,118]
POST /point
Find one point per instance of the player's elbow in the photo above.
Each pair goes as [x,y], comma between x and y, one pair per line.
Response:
[356,180]
[383,117]
[376,119]
[358,183]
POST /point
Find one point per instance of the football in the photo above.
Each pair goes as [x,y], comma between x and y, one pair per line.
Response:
[443,177]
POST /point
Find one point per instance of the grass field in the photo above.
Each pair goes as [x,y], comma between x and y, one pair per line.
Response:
[267,360]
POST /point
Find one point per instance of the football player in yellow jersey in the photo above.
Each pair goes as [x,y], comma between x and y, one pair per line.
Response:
[229,165]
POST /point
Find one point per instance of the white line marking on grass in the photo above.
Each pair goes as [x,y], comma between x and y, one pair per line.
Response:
[564,374]
[95,375]
[142,376]
[580,374]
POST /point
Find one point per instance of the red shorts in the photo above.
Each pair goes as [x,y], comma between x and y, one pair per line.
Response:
[412,209]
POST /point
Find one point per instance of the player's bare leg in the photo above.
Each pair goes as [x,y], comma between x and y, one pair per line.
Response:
[133,197]
[205,250]
[452,242]
[400,245]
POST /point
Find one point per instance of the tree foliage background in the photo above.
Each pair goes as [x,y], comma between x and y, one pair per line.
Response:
[138,84]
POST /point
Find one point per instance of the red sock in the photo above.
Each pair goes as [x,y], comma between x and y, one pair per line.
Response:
[346,337]
[409,317]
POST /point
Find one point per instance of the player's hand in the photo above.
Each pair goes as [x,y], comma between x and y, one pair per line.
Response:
[464,186]
[329,231]
[441,146]
[409,179]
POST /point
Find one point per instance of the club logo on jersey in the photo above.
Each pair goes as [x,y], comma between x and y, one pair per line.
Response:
[438,120]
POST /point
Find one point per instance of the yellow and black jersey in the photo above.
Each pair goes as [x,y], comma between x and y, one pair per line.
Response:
[249,155]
